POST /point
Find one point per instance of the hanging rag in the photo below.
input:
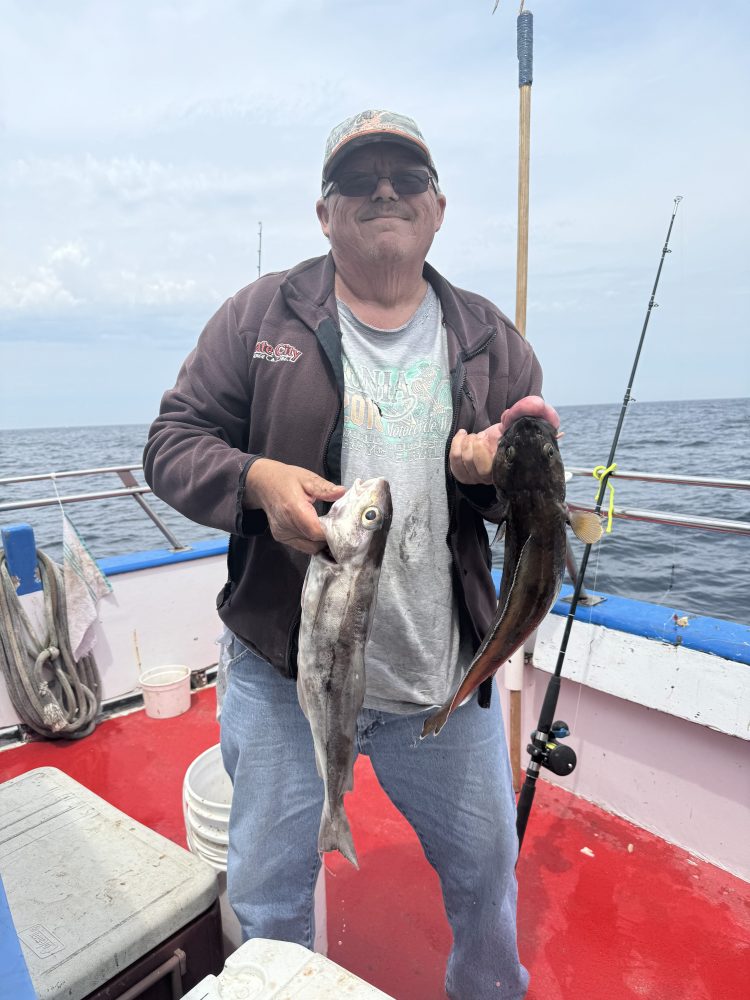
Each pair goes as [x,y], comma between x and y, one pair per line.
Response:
[85,585]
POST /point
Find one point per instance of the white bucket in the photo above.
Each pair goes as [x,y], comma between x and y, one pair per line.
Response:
[166,691]
[206,803]
[207,796]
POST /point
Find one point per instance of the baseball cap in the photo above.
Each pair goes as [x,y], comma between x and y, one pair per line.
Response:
[373,126]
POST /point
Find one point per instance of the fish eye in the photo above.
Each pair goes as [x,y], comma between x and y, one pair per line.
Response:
[549,450]
[510,453]
[372,518]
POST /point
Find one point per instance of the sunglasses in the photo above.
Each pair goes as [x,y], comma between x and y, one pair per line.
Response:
[404,182]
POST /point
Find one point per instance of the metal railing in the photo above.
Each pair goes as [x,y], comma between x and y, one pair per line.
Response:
[132,489]
[664,517]
[125,474]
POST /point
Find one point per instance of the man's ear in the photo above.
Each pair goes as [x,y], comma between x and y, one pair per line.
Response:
[440,211]
[321,209]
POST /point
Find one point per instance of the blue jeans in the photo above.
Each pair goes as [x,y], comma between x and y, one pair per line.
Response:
[455,790]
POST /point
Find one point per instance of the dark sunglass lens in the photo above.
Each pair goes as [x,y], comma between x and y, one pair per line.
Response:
[411,182]
[356,185]
[362,185]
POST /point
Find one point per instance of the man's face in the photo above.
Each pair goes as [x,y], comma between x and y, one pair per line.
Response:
[381,227]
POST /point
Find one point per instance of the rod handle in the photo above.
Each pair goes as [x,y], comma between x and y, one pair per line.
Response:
[549,705]
[525,799]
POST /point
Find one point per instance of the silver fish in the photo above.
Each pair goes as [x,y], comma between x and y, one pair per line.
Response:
[338,603]
[530,480]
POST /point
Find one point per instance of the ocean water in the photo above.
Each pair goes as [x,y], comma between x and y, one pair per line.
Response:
[695,571]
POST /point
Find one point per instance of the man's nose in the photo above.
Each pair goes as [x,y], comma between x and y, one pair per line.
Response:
[384,190]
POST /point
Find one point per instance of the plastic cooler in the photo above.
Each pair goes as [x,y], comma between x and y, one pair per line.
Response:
[278,970]
[103,907]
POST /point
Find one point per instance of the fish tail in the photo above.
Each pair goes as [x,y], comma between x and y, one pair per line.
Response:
[435,722]
[336,835]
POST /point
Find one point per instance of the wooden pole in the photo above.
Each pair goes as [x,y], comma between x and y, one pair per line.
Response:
[522,253]
[514,669]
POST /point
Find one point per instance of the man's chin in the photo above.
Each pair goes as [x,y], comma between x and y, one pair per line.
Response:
[387,250]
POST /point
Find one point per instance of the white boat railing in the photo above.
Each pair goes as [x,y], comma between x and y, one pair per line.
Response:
[664,517]
[131,488]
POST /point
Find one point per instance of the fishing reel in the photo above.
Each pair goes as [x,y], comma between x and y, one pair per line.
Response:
[549,753]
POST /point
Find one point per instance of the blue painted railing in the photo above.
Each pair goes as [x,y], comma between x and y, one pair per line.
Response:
[730,640]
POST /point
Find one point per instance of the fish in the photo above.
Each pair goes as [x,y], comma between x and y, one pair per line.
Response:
[529,479]
[339,595]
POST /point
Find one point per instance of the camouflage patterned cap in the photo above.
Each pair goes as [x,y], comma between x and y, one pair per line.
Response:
[373,126]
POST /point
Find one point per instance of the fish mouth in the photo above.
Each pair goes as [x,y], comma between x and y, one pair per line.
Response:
[326,556]
[361,486]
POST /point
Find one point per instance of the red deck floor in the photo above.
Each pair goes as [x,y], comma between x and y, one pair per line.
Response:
[622,925]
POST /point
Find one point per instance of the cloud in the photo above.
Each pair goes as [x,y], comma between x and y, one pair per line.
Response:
[62,283]
[143,142]
[153,290]
[50,286]
[130,180]
[42,290]
[69,253]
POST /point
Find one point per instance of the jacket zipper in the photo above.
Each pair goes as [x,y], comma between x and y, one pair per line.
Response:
[459,381]
[480,348]
[334,425]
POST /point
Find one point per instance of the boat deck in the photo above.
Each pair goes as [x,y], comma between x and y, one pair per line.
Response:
[639,918]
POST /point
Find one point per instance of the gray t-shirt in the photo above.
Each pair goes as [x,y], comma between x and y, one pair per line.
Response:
[397,418]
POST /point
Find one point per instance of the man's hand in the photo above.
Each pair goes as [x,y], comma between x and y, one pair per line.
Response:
[471,455]
[530,406]
[286,493]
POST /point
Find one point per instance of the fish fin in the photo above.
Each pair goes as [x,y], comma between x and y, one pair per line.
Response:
[473,679]
[508,596]
[586,525]
[335,835]
[435,722]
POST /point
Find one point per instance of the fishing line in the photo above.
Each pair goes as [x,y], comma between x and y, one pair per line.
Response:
[587,665]
[670,587]
[582,682]
[544,749]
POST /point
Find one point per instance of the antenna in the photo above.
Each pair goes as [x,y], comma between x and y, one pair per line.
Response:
[260,243]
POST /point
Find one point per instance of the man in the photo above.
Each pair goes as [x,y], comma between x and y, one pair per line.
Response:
[362,363]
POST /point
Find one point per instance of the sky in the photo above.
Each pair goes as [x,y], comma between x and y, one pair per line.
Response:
[141,144]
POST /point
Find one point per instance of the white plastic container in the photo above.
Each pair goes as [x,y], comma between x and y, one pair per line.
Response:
[279,970]
[166,690]
[91,890]
[207,790]
[206,804]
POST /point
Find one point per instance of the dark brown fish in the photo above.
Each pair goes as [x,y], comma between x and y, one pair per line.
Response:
[530,480]
[338,603]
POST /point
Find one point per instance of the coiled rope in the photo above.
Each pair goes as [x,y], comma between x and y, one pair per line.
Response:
[53,695]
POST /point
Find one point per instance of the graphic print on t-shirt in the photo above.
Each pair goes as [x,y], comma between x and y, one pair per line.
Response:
[398,416]
[408,409]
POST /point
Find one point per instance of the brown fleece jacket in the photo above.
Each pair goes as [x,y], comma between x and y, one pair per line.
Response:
[266,380]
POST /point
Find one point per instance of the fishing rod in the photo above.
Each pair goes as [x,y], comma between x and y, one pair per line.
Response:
[544,749]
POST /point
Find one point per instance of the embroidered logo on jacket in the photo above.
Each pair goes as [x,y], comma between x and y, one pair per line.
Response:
[280,352]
